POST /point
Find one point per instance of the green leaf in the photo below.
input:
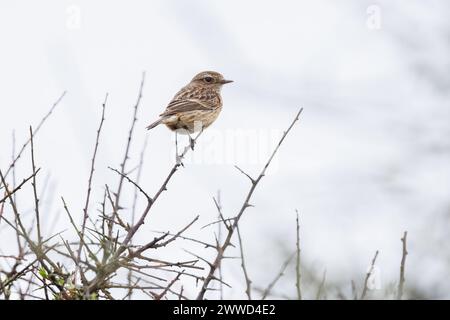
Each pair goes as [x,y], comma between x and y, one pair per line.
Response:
[60,281]
[43,273]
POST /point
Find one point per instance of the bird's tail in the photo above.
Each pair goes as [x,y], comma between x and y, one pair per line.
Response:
[154,124]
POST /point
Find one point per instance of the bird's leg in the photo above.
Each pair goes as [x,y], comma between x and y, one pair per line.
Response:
[177,155]
[201,131]
[176,143]
[197,125]
[191,141]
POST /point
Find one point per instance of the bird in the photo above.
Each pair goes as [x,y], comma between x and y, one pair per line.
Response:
[196,106]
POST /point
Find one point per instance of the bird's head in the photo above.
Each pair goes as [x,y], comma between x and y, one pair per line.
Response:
[210,78]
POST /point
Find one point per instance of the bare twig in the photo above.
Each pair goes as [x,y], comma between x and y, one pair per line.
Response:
[154,244]
[124,176]
[19,274]
[297,265]
[369,273]
[91,175]
[17,157]
[245,174]
[321,286]
[2,207]
[128,145]
[248,282]
[162,294]
[207,245]
[269,288]
[219,210]
[19,186]
[246,204]
[133,210]
[218,204]
[33,183]
[401,282]
[138,178]
[20,247]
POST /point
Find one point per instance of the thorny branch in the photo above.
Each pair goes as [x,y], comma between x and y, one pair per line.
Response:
[246,204]
[248,282]
[19,186]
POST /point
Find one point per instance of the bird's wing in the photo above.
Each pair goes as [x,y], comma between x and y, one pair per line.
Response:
[183,105]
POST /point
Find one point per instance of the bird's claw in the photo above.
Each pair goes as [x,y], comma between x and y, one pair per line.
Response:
[178,159]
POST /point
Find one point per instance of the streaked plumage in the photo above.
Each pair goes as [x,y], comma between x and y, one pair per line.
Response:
[196,106]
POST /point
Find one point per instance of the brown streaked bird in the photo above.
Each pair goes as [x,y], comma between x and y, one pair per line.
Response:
[196,106]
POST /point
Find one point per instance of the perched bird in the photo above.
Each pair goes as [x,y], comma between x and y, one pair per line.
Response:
[196,105]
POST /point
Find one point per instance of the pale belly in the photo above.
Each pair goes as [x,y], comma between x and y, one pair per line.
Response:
[193,121]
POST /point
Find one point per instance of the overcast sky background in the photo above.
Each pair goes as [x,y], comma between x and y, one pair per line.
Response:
[368,160]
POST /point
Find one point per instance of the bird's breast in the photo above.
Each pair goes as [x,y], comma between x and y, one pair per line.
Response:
[193,121]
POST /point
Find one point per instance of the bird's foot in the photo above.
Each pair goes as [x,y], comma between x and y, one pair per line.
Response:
[179,160]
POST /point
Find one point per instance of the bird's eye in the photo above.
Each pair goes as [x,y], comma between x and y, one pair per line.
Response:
[208,79]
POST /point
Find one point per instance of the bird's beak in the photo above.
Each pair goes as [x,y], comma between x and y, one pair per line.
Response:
[224,81]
